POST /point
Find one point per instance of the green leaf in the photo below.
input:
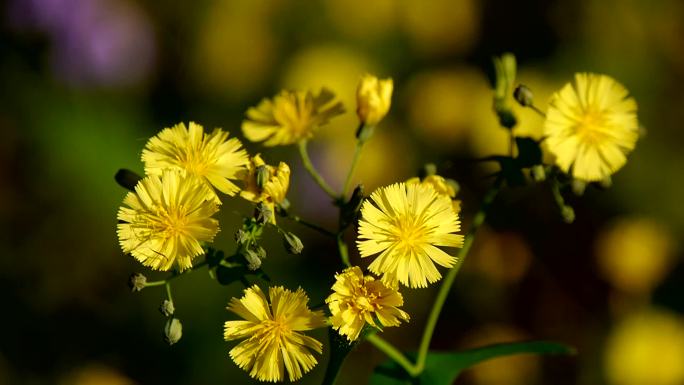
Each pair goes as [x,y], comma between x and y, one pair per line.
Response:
[442,368]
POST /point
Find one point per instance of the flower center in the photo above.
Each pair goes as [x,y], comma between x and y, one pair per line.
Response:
[591,126]
[365,301]
[174,223]
[276,327]
[194,162]
[408,233]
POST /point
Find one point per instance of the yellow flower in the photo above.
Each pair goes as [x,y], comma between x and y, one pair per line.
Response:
[373,99]
[212,157]
[358,300]
[591,126]
[273,333]
[441,186]
[166,219]
[274,187]
[290,116]
[406,224]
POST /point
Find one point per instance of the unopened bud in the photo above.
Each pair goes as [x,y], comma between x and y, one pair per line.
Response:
[167,308]
[578,186]
[606,182]
[264,214]
[506,117]
[373,100]
[260,252]
[568,214]
[538,173]
[127,179]
[364,132]
[137,282]
[523,95]
[284,205]
[427,170]
[454,186]
[173,331]
[292,243]
[263,174]
[253,260]
[242,237]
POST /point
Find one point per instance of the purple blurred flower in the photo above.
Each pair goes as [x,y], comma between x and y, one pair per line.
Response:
[94,42]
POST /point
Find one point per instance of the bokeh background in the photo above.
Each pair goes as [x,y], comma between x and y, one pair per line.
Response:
[86,82]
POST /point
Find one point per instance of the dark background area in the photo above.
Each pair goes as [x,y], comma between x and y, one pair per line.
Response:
[86,82]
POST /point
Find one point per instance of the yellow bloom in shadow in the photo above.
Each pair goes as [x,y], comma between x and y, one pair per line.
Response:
[358,299]
[441,186]
[166,219]
[290,116]
[274,342]
[373,99]
[272,189]
[405,224]
[591,126]
[212,157]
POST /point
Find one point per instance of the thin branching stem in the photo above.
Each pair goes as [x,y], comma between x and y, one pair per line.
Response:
[306,161]
[352,169]
[448,282]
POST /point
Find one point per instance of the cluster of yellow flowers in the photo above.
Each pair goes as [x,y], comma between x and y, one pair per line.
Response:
[589,129]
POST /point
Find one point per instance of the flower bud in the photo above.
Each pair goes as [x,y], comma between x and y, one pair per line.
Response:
[167,308]
[292,243]
[568,214]
[538,173]
[127,179]
[173,331]
[523,95]
[262,176]
[253,260]
[427,170]
[137,282]
[578,186]
[242,237]
[264,214]
[373,99]
[606,182]
[350,209]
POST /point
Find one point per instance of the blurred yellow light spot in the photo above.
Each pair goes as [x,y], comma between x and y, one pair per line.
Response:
[502,257]
[635,254]
[235,47]
[363,19]
[96,374]
[440,104]
[646,348]
[441,26]
[513,370]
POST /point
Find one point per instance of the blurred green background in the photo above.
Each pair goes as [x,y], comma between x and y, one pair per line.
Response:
[86,82]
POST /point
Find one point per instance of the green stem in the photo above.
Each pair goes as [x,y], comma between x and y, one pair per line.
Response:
[310,225]
[168,291]
[355,162]
[444,290]
[343,250]
[395,354]
[176,275]
[303,153]
[538,111]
